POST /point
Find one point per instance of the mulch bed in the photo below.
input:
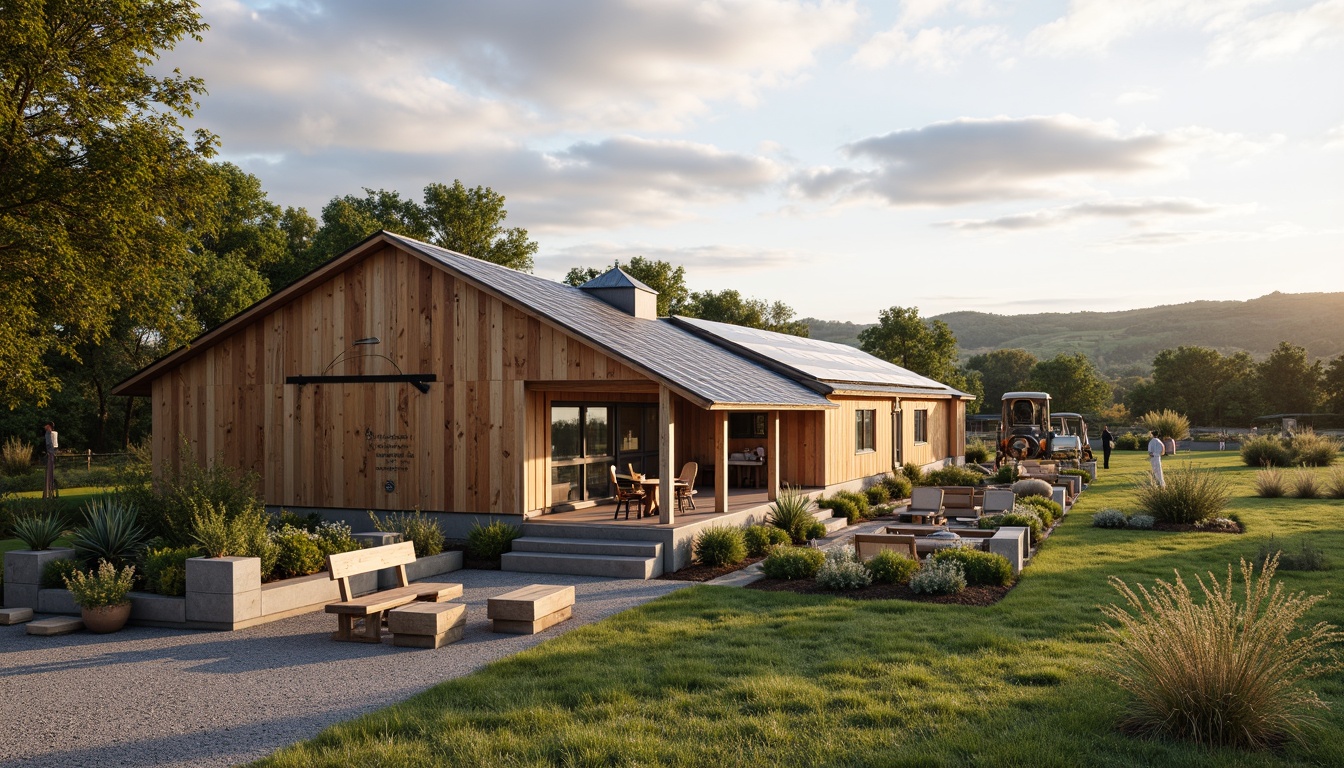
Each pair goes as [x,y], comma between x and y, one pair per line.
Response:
[707,572]
[1192,528]
[980,595]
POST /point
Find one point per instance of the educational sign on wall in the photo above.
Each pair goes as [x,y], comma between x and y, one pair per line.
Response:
[391,452]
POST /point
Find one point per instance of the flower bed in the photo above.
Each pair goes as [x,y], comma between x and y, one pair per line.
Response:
[972,595]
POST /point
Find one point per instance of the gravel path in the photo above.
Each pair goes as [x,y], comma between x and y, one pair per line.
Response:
[148,697]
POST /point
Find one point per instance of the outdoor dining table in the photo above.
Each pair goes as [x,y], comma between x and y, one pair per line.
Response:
[649,507]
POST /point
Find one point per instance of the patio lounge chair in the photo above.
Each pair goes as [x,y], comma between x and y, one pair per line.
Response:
[867,545]
[999,501]
[625,494]
[926,504]
[685,485]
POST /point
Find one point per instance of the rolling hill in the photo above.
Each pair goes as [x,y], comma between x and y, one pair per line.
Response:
[1130,338]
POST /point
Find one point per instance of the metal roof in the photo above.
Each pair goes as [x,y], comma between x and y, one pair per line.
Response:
[616,278]
[839,366]
[1028,395]
[659,346]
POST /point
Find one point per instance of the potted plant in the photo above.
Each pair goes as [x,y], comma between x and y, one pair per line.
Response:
[103,596]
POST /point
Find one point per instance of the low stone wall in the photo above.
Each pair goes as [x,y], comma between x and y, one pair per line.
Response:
[223,593]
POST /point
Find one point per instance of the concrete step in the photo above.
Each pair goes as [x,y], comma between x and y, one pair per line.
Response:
[614,566]
[588,546]
[834,524]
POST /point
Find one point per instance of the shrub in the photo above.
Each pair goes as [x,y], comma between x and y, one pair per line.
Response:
[111,532]
[1032,486]
[760,538]
[54,572]
[954,475]
[210,528]
[1141,522]
[815,530]
[878,495]
[977,452]
[1130,441]
[979,567]
[792,512]
[842,571]
[489,542]
[1307,485]
[1308,558]
[169,511]
[1334,483]
[891,567]
[38,531]
[334,538]
[299,553]
[1048,509]
[898,486]
[101,587]
[1167,423]
[793,563]
[1190,496]
[860,502]
[1083,473]
[1110,518]
[1018,518]
[1265,451]
[1269,483]
[840,507]
[16,456]
[416,527]
[1313,450]
[166,569]
[1221,672]
[1004,475]
[720,545]
[309,522]
[938,578]
[913,473]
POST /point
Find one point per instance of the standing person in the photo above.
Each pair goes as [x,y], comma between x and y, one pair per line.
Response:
[1222,440]
[1107,443]
[52,441]
[1155,451]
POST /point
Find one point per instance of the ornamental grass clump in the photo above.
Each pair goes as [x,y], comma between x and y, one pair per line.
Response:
[1222,672]
[793,563]
[1305,558]
[16,456]
[891,567]
[1265,451]
[1307,485]
[719,545]
[792,513]
[1312,450]
[1166,423]
[1270,484]
[38,531]
[1334,483]
[490,542]
[1191,495]
[977,452]
[760,539]
[843,571]
[415,527]
[938,578]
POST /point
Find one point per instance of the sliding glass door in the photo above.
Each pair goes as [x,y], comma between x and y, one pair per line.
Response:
[588,438]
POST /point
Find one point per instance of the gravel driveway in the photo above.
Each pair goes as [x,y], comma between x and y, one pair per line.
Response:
[147,696]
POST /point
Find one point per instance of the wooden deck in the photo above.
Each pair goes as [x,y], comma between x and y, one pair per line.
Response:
[739,500]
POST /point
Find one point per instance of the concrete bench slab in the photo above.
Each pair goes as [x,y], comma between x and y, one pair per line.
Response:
[509,627]
[427,625]
[531,609]
[56,625]
[15,615]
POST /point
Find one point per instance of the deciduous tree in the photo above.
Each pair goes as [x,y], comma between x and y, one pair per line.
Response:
[1003,370]
[1288,382]
[728,306]
[901,336]
[1073,383]
[668,280]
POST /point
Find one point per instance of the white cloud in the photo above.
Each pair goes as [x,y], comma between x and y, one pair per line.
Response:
[1282,34]
[1133,210]
[698,260]
[1093,25]
[1334,138]
[1138,96]
[972,160]
[933,48]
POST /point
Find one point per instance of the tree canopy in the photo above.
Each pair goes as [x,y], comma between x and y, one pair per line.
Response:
[661,276]
[1289,383]
[1003,370]
[99,185]
[1073,383]
[729,306]
[901,336]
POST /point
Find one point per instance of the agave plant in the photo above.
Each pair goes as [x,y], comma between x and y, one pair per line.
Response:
[110,532]
[792,512]
[39,531]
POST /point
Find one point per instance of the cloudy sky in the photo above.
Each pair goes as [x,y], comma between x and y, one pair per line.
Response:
[841,156]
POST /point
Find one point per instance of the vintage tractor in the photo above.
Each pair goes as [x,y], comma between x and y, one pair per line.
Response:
[1070,441]
[1024,427]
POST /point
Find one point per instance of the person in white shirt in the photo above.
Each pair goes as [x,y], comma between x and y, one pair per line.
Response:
[1155,451]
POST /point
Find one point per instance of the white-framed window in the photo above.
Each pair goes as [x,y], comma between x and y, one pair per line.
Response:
[922,425]
[865,431]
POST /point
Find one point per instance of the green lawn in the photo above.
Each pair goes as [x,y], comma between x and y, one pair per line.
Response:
[71,499]
[732,677]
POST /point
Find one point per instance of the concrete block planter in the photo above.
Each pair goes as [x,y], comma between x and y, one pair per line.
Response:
[56,601]
[422,568]
[23,574]
[223,592]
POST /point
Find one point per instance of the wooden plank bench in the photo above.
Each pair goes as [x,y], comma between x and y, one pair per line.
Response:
[530,610]
[371,607]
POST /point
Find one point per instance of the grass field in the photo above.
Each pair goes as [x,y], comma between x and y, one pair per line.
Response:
[731,677]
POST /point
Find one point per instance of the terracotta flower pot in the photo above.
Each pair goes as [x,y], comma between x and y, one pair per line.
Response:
[106,618]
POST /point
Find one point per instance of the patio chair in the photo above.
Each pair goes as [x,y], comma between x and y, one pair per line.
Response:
[959,503]
[685,485]
[867,545]
[925,503]
[998,502]
[625,494]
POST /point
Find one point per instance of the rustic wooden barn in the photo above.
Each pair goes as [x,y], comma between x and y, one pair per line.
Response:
[403,375]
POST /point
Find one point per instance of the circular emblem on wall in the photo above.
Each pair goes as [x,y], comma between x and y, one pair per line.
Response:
[390,486]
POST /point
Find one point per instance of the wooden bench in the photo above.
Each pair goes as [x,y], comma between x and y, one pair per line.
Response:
[530,610]
[867,545]
[371,607]
[427,625]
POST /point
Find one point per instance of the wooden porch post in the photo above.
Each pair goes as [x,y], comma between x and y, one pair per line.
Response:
[667,473]
[772,455]
[720,461]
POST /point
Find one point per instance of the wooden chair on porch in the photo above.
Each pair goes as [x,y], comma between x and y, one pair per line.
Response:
[625,494]
[685,485]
